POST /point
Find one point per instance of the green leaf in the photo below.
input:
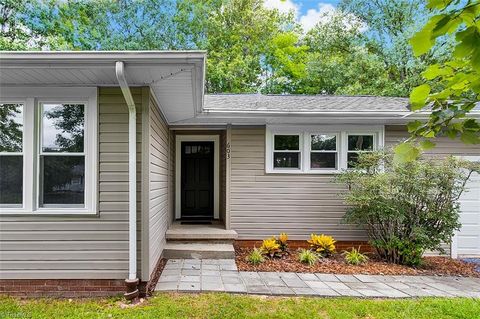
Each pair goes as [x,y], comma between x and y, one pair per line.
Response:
[468,40]
[451,133]
[438,4]
[413,126]
[476,58]
[406,152]
[471,125]
[429,134]
[422,41]
[435,70]
[469,137]
[427,145]
[419,96]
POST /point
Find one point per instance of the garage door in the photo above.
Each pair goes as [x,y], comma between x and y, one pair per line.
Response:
[467,241]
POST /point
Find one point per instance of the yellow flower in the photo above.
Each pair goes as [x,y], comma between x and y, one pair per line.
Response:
[283,238]
[322,244]
[270,246]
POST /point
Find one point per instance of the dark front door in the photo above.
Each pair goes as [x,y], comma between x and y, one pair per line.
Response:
[197,180]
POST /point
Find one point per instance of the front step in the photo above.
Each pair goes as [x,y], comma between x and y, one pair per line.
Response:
[200,233]
[198,250]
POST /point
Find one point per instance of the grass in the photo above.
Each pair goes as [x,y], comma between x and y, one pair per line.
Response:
[239,306]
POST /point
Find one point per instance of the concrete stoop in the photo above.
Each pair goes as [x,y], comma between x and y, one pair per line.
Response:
[198,250]
[199,242]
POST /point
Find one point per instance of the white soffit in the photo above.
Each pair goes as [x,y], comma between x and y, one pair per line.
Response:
[175,77]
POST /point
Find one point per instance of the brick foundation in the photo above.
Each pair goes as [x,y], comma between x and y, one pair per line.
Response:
[340,245]
[62,288]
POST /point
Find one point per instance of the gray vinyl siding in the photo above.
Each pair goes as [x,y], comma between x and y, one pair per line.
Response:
[79,247]
[159,180]
[444,147]
[263,204]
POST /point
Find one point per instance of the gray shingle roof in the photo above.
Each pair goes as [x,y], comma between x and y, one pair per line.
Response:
[303,103]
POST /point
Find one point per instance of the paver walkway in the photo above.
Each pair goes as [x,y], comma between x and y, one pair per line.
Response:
[194,275]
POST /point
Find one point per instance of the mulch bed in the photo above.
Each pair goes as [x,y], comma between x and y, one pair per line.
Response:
[150,288]
[442,266]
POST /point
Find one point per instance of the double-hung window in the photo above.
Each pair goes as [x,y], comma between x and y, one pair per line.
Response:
[323,152]
[286,152]
[322,149]
[48,151]
[358,143]
[62,155]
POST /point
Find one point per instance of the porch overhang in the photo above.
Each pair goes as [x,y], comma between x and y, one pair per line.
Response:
[176,78]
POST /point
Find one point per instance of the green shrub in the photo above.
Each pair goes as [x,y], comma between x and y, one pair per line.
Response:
[255,257]
[355,257]
[406,208]
[307,257]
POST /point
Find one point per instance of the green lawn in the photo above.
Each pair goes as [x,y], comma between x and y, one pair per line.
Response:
[235,306]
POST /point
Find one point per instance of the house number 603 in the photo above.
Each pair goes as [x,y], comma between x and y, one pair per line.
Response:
[227,151]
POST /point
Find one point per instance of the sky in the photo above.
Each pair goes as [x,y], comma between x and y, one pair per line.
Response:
[308,12]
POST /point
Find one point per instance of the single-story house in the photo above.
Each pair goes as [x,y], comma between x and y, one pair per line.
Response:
[111,160]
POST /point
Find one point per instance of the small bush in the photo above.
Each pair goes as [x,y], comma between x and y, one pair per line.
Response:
[255,257]
[307,257]
[355,257]
[271,247]
[322,244]
[405,208]
[282,240]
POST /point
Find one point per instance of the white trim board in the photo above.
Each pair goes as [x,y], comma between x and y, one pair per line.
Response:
[216,171]
[341,131]
[32,98]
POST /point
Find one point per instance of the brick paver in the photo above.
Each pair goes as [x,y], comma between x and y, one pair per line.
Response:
[195,275]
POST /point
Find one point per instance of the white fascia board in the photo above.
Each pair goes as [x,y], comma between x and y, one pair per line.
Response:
[101,56]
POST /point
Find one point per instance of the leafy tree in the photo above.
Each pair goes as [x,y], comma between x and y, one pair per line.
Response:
[388,25]
[10,130]
[236,35]
[285,64]
[458,92]
[69,119]
[339,62]
[402,218]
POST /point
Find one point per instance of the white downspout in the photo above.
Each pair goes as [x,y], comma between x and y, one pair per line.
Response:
[132,172]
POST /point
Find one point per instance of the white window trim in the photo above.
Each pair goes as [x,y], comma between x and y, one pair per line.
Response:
[216,171]
[299,151]
[32,97]
[308,151]
[341,131]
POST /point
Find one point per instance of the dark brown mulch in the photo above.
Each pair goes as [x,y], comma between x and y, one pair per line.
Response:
[335,265]
[156,275]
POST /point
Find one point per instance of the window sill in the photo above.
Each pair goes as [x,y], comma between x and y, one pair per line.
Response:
[298,172]
[48,212]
